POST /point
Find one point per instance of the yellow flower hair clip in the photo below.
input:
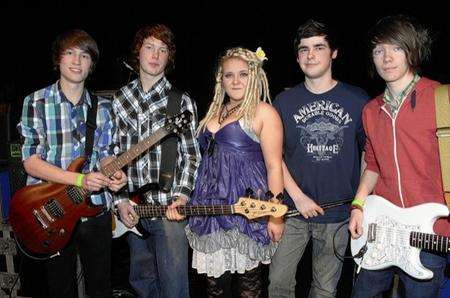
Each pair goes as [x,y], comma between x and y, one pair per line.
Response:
[260,54]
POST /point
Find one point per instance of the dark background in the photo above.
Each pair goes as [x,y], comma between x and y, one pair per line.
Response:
[203,29]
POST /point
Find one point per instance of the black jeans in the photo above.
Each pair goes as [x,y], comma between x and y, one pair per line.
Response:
[92,240]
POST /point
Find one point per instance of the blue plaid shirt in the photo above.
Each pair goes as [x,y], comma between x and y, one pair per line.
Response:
[55,129]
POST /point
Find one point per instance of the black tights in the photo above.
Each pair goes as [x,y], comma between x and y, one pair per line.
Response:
[249,284]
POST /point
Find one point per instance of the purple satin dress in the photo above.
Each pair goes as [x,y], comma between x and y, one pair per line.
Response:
[232,162]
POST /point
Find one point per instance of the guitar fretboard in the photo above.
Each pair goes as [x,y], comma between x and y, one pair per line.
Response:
[134,152]
[149,210]
[430,241]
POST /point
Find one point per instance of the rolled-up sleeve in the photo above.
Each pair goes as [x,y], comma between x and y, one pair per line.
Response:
[31,127]
[105,141]
[190,153]
[369,155]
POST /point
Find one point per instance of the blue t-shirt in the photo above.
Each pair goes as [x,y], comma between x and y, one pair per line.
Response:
[323,141]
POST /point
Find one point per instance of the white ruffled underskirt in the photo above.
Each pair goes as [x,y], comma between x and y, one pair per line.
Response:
[216,253]
[217,263]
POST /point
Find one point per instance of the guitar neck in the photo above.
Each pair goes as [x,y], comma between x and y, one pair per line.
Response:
[148,210]
[430,242]
[133,152]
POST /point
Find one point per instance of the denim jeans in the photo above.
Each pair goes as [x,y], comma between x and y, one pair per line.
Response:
[159,262]
[445,291]
[326,267]
[372,283]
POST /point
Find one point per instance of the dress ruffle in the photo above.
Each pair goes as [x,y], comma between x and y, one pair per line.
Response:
[231,239]
[231,251]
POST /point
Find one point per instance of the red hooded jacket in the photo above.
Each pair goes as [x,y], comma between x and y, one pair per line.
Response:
[404,150]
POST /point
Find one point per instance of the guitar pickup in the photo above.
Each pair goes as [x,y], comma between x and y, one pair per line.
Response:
[47,215]
[52,209]
[372,233]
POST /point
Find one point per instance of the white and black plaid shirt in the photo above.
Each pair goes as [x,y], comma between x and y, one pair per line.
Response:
[138,115]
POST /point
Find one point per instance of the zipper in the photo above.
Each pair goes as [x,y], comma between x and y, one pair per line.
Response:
[394,132]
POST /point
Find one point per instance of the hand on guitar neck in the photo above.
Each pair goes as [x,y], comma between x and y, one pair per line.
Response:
[127,214]
[95,181]
[118,179]
[172,212]
[307,207]
[130,218]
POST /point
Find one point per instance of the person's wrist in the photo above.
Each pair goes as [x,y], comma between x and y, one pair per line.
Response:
[276,220]
[121,202]
[79,180]
[357,204]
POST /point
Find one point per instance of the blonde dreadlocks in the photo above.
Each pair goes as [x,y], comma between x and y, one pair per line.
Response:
[257,87]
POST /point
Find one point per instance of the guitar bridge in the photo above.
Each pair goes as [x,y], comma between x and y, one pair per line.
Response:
[40,219]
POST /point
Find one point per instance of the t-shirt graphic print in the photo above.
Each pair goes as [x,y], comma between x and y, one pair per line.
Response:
[322,125]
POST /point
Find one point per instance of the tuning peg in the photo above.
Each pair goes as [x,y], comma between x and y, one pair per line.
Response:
[269,195]
[279,197]
[249,193]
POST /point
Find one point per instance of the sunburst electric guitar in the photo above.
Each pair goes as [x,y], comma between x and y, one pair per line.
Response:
[394,236]
[43,216]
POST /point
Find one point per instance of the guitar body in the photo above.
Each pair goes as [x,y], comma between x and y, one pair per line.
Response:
[43,216]
[386,235]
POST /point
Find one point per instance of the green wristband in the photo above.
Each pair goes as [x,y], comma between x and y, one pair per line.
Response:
[79,181]
[358,202]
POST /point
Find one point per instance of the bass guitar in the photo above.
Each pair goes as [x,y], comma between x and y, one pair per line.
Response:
[394,236]
[43,216]
[248,207]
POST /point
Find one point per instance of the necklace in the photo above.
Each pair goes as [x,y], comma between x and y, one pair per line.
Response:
[225,113]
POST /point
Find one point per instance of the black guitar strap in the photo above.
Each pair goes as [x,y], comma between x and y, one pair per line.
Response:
[169,145]
[91,125]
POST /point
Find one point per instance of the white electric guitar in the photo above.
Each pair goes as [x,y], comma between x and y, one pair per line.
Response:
[394,236]
[248,207]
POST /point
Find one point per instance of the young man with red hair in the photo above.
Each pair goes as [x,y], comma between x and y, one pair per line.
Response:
[159,262]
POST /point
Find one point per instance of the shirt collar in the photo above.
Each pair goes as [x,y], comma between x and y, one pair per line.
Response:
[394,102]
[159,87]
[61,97]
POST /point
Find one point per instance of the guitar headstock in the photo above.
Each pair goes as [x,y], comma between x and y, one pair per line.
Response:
[252,208]
[179,122]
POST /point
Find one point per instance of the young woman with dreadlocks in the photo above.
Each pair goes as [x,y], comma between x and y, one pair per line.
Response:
[241,137]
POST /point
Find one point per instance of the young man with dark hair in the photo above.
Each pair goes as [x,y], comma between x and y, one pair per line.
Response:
[323,142]
[402,153]
[53,125]
[159,262]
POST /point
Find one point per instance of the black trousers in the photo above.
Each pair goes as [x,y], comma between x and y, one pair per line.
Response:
[92,240]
